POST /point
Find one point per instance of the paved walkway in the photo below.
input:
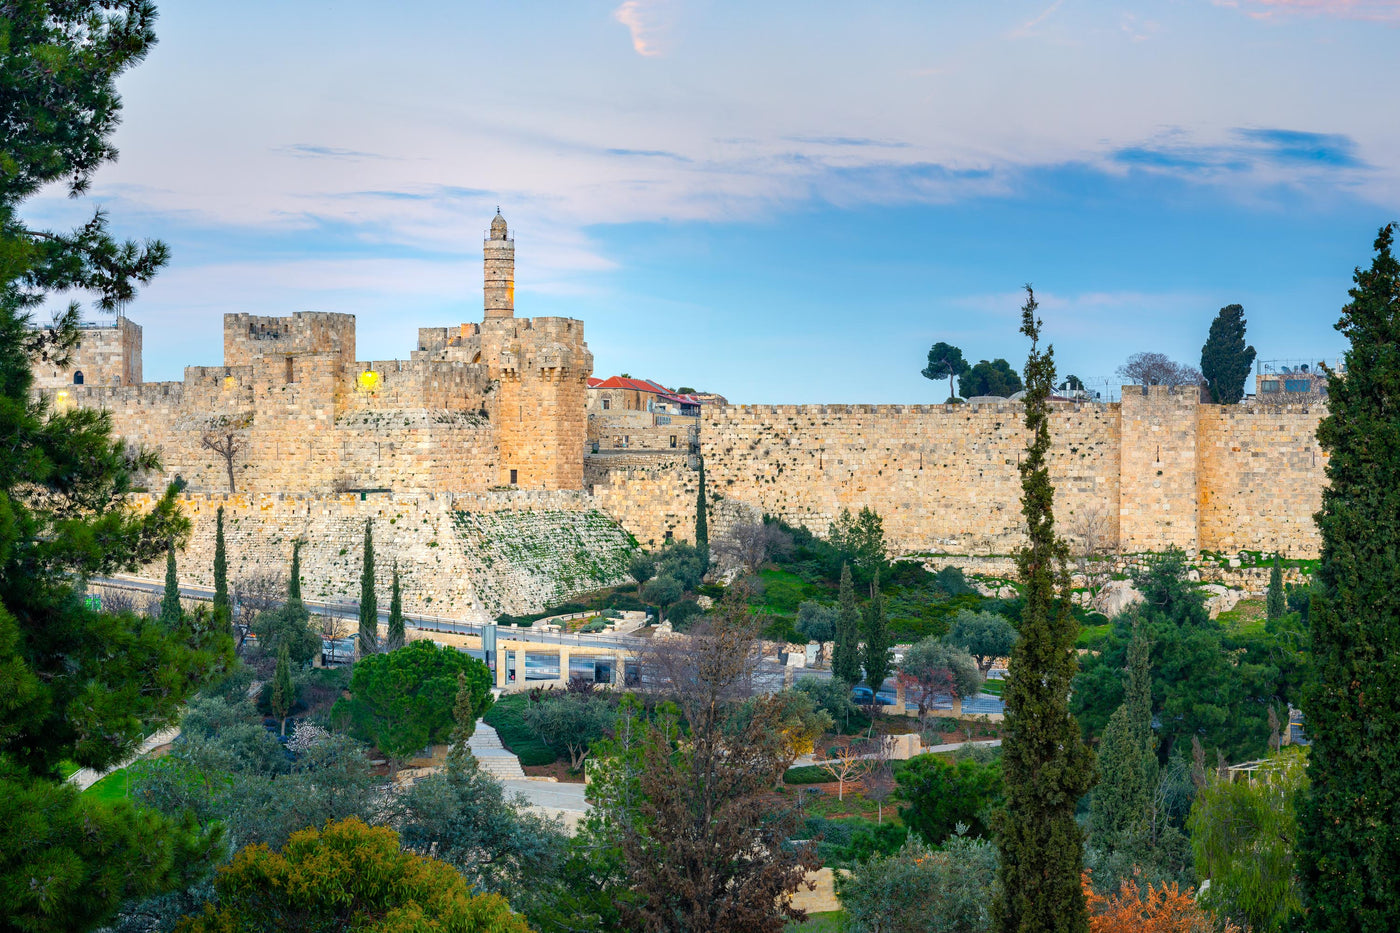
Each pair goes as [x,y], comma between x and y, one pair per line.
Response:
[807,760]
[493,757]
[84,778]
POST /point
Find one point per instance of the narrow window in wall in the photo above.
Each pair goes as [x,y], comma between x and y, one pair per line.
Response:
[288,375]
[78,377]
[607,404]
[513,476]
[673,440]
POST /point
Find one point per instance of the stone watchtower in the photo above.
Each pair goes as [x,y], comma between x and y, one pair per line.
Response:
[499,250]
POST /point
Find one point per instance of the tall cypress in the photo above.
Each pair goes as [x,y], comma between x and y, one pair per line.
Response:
[170,601]
[1046,766]
[702,521]
[223,609]
[369,605]
[1121,806]
[1225,359]
[395,638]
[294,583]
[845,655]
[283,690]
[1349,825]
[1276,604]
[876,657]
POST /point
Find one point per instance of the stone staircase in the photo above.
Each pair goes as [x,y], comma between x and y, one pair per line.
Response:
[493,757]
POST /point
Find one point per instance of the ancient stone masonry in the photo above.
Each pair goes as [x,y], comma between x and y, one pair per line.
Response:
[106,355]
[291,410]
[471,556]
[1156,470]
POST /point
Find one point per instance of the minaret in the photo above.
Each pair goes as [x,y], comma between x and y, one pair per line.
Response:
[499,250]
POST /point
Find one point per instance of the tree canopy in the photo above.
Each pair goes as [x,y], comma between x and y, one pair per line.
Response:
[78,685]
[1225,359]
[986,636]
[348,875]
[990,378]
[403,700]
[1158,369]
[945,361]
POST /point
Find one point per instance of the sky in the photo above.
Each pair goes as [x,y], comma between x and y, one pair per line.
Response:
[784,202]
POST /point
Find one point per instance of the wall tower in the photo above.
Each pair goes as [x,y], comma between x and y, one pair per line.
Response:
[499,250]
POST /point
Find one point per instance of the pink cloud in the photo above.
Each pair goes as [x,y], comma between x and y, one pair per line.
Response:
[1372,10]
[635,15]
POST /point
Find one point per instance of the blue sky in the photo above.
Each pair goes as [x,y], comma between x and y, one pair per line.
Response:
[782,202]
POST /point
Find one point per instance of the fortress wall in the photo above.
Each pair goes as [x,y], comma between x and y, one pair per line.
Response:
[249,336]
[543,365]
[945,478]
[652,497]
[468,556]
[1262,476]
[1158,479]
[416,384]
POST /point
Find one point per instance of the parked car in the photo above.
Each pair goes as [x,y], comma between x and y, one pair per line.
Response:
[864,696]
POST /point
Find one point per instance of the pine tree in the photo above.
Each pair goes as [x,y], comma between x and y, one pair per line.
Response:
[223,609]
[1277,603]
[702,521]
[1225,360]
[845,655]
[1045,764]
[283,692]
[77,683]
[1120,810]
[170,613]
[369,605]
[395,638]
[294,581]
[1350,822]
[876,656]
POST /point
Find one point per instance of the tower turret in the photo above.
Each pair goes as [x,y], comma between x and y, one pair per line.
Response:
[499,251]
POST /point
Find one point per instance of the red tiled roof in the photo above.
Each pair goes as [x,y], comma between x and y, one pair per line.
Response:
[643,385]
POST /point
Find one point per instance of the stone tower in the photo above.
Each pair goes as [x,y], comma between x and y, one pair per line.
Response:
[499,250]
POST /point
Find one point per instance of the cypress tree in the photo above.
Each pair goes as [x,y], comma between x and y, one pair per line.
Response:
[294,582]
[223,609]
[395,638]
[1225,360]
[1122,802]
[845,654]
[1349,826]
[702,521]
[170,602]
[1046,766]
[877,638]
[463,719]
[283,692]
[369,605]
[1277,603]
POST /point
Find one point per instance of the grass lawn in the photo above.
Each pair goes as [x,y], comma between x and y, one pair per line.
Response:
[112,787]
[507,717]
[1090,635]
[68,768]
[994,687]
[829,922]
[1247,618]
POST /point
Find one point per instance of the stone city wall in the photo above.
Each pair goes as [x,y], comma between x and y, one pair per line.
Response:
[471,556]
[1158,469]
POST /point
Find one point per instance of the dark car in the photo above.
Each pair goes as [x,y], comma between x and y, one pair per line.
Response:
[864,696]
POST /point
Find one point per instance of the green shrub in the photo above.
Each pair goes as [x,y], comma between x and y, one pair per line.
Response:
[807,774]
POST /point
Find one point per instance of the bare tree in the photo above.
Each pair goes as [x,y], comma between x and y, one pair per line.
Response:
[1093,544]
[225,438]
[706,853]
[850,764]
[879,779]
[752,544]
[254,593]
[1157,369]
[331,627]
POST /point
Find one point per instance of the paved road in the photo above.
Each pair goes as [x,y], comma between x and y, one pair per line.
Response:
[550,794]
[421,622]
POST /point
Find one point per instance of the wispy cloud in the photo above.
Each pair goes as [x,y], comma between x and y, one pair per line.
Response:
[1371,10]
[852,141]
[650,154]
[306,151]
[1026,28]
[639,18]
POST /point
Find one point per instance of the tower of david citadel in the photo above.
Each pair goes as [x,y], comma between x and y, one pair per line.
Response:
[496,485]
